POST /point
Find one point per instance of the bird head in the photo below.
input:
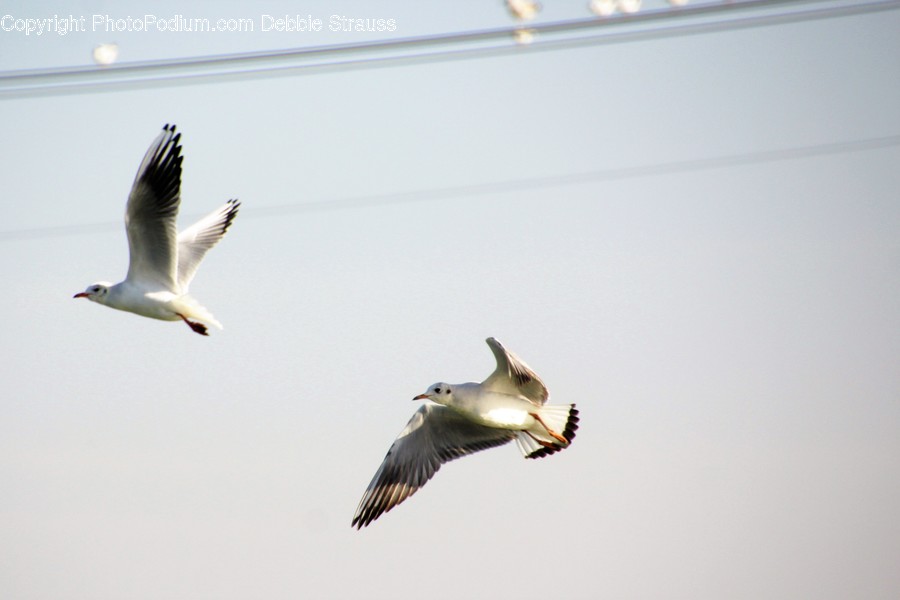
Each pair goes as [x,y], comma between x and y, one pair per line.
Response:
[441,393]
[95,292]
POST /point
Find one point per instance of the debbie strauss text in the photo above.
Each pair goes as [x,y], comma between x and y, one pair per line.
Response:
[336,23]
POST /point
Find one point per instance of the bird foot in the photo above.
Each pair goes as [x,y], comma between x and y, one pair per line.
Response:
[195,326]
[552,433]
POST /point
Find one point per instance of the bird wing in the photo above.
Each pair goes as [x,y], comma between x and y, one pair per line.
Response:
[434,435]
[151,212]
[195,241]
[513,376]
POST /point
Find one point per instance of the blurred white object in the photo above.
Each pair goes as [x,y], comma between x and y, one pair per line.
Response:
[629,6]
[523,36]
[603,8]
[678,2]
[524,10]
[106,54]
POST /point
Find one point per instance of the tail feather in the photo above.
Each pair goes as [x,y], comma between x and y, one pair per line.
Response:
[527,444]
[192,309]
[537,443]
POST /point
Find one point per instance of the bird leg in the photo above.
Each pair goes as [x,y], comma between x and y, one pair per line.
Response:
[552,433]
[197,327]
[541,442]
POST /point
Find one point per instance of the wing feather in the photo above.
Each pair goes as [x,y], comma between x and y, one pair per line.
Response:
[198,239]
[513,376]
[151,212]
[434,435]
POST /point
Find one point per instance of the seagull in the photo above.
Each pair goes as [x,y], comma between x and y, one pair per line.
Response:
[464,418]
[163,263]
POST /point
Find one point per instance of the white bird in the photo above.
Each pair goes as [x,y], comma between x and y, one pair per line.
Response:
[163,262]
[524,10]
[465,418]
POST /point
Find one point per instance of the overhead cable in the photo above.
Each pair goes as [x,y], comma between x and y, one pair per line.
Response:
[557,35]
[499,187]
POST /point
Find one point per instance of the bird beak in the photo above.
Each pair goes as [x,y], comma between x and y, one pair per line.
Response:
[80,295]
[421,397]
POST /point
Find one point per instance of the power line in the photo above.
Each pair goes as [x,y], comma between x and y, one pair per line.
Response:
[522,184]
[426,49]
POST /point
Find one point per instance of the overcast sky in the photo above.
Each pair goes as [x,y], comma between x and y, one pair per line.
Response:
[692,237]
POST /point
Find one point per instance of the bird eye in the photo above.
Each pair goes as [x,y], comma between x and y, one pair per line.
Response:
[437,390]
[447,391]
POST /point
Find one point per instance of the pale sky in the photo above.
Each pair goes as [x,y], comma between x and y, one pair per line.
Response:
[693,237]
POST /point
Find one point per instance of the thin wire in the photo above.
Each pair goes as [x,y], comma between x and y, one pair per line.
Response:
[230,67]
[522,184]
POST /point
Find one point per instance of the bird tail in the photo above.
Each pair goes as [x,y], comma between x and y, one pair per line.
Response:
[192,309]
[537,442]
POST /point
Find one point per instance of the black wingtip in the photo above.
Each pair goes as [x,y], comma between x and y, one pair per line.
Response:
[170,128]
[230,213]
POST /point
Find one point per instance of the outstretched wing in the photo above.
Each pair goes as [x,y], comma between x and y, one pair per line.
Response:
[513,376]
[151,211]
[195,241]
[434,435]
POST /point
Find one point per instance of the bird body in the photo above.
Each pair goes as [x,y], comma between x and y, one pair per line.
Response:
[161,304]
[491,408]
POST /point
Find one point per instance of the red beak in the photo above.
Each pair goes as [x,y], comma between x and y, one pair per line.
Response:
[80,295]
[421,397]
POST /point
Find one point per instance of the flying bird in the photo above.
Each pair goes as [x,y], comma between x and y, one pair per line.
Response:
[464,418]
[163,262]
